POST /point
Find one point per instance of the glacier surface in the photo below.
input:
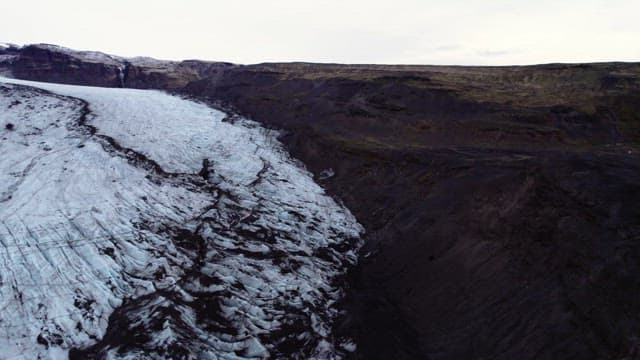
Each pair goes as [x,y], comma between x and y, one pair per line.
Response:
[137,224]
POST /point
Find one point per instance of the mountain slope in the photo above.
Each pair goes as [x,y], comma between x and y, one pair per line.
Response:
[499,202]
[194,231]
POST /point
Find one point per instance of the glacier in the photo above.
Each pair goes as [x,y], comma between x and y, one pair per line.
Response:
[139,224]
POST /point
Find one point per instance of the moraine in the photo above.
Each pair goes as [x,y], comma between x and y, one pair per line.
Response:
[136,224]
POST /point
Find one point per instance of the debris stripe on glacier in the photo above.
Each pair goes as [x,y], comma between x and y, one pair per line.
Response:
[260,194]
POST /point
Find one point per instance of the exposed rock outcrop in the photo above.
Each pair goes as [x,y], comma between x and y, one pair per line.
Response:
[50,63]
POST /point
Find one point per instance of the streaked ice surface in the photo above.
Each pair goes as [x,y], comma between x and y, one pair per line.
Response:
[106,208]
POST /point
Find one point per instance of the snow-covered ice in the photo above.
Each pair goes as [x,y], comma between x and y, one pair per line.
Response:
[200,237]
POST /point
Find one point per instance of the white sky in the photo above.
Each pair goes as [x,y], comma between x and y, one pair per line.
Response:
[481,32]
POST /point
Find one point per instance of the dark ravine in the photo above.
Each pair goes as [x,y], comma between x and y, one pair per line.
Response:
[500,203]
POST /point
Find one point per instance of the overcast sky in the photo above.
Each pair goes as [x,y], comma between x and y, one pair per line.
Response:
[481,32]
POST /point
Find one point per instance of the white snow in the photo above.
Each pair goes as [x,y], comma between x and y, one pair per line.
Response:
[85,225]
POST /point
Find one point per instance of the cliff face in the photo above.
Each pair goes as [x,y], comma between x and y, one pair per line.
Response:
[499,203]
[47,64]
[60,65]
